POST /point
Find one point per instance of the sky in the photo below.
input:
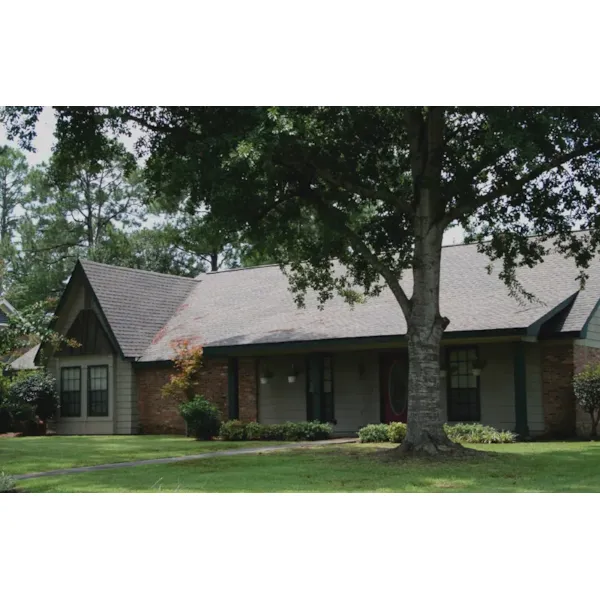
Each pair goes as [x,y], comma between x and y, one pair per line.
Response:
[45,139]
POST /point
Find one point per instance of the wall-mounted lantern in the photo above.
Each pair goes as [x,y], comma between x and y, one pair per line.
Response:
[477,367]
[265,376]
[292,375]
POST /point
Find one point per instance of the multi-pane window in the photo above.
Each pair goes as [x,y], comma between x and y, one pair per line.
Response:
[97,392]
[320,404]
[463,386]
[70,392]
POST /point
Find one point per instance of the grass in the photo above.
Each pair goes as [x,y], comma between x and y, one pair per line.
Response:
[527,467]
[37,454]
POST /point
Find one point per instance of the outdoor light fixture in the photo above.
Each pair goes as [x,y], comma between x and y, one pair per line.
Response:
[293,374]
[443,373]
[478,366]
[264,378]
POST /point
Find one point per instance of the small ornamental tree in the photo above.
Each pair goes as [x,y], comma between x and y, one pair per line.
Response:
[187,364]
[586,386]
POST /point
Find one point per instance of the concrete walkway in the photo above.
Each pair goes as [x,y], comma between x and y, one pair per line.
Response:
[175,459]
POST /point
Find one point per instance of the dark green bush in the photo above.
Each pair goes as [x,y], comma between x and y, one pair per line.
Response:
[233,431]
[476,433]
[396,432]
[38,390]
[289,432]
[374,433]
[202,417]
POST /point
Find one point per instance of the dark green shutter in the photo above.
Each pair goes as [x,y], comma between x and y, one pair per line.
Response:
[232,389]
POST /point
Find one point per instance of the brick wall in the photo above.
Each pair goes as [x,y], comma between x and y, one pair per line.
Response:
[558,400]
[583,356]
[161,415]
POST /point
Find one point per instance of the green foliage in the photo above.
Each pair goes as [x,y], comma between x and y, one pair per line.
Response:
[289,431]
[396,432]
[202,418]
[586,386]
[465,433]
[255,431]
[38,390]
[7,483]
[375,433]
[349,198]
[475,433]
[233,431]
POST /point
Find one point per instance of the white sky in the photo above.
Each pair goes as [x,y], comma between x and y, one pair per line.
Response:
[45,140]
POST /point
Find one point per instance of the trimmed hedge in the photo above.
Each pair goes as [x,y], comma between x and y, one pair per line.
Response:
[289,432]
[464,433]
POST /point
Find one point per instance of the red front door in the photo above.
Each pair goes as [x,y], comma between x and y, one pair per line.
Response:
[394,386]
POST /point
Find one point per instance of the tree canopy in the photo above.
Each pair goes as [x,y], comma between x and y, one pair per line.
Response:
[371,189]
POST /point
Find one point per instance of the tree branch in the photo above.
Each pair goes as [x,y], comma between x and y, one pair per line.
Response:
[516,185]
[338,219]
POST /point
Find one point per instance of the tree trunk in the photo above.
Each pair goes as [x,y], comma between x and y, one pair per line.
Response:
[425,326]
[594,428]
[214,261]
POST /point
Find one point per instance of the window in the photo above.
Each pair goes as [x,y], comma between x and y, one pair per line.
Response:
[70,392]
[97,392]
[319,390]
[463,386]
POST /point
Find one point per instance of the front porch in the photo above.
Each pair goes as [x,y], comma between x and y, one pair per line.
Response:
[357,387]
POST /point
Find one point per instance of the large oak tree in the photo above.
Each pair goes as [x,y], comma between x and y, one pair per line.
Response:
[373,189]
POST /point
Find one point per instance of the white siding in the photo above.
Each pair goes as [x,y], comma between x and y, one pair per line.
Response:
[278,400]
[497,386]
[592,335]
[125,398]
[356,390]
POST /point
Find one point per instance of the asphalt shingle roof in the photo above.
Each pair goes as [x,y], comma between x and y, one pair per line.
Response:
[252,306]
[136,303]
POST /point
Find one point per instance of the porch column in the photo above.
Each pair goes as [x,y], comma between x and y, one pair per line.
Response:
[521,421]
[233,405]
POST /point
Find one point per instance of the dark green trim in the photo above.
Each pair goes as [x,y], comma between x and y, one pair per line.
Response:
[316,345]
[535,327]
[233,404]
[381,389]
[584,330]
[521,423]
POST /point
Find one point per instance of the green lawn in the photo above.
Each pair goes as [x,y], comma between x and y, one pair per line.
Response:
[527,467]
[37,454]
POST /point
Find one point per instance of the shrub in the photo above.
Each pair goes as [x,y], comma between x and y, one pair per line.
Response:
[255,431]
[373,433]
[7,483]
[234,431]
[476,433]
[396,432]
[586,386]
[305,431]
[202,418]
[36,389]
[289,432]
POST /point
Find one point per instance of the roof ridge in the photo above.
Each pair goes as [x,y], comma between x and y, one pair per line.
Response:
[85,261]
[533,235]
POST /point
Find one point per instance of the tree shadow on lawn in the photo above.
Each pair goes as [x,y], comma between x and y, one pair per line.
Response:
[560,468]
